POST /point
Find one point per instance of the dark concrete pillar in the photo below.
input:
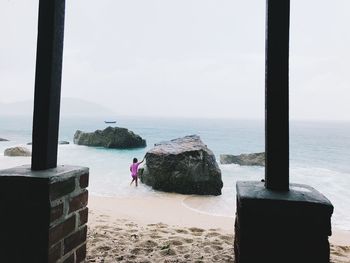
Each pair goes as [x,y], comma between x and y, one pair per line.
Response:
[281,226]
[48,84]
[277,95]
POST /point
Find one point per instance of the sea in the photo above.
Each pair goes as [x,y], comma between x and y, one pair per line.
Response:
[319,156]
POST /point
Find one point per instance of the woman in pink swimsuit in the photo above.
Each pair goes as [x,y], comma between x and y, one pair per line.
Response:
[133,169]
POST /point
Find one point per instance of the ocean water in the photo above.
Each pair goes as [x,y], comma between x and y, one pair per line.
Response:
[319,156]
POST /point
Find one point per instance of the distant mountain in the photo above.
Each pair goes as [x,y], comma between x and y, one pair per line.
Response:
[69,107]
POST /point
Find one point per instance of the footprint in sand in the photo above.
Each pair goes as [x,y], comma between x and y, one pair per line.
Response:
[103,248]
[216,247]
[206,243]
[120,258]
[130,256]
[340,254]
[168,252]
[149,243]
[183,249]
[188,240]
[207,249]
[136,251]
[212,234]
[181,231]
[155,236]
[175,242]
[196,230]
[226,238]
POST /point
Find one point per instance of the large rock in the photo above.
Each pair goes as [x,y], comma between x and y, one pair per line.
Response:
[17,151]
[3,140]
[244,159]
[110,137]
[184,165]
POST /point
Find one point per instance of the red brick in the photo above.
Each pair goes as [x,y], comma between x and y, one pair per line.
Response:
[75,240]
[62,188]
[78,201]
[70,259]
[61,230]
[84,181]
[80,254]
[55,252]
[56,212]
[83,216]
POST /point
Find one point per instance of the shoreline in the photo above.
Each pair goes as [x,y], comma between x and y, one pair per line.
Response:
[151,210]
[170,210]
[162,229]
[155,229]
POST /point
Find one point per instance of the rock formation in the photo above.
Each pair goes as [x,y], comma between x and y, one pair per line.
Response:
[244,159]
[110,137]
[184,165]
[3,140]
[17,151]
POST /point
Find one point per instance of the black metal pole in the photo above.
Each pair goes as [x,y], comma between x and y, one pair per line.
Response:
[48,83]
[277,95]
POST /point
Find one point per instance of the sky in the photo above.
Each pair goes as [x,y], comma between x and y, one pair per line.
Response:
[183,58]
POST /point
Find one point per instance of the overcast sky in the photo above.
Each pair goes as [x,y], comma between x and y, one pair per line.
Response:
[193,58]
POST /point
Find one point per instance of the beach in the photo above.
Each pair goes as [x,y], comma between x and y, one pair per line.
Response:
[130,224]
[163,229]
[318,156]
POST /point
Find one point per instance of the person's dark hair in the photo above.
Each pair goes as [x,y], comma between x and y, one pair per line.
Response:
[134,160]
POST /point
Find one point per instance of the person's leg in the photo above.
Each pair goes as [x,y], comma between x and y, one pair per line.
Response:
[133,179]
[136,180]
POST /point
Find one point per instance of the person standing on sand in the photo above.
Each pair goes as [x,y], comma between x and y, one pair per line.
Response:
[134,168]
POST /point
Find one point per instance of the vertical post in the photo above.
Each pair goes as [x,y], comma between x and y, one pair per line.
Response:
[48,83]
[276,95]
[294,219]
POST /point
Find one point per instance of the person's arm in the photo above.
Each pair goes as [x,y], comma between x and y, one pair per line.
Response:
[130,168]
[142,160]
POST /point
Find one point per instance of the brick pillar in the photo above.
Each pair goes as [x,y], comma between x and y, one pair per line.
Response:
[43,214]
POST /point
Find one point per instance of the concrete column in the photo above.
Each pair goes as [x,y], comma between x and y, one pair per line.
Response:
[277,95]
[48,84]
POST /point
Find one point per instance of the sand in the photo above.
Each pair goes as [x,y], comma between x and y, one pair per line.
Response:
[153,229]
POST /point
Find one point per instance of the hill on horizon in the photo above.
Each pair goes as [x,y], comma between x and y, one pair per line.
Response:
[69,107]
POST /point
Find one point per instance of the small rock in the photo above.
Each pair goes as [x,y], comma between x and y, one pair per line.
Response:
[251,159]
[3,140]
[17,151]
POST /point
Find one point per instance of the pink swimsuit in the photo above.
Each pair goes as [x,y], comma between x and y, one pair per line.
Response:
[134,167]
